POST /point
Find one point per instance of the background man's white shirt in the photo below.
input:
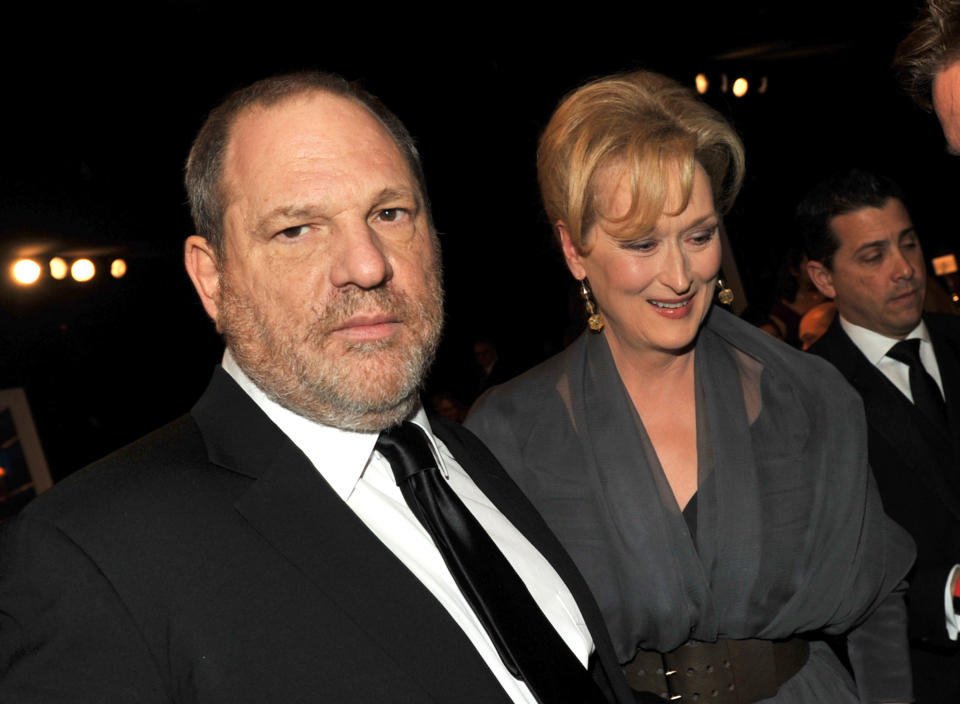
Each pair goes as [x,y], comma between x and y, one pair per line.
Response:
[875,347]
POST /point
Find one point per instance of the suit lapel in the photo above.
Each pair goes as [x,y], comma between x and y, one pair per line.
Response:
[293,508]
[891,415]
[946,347]
[489,476]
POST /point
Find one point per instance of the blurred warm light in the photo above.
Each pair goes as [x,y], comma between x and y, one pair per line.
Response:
[26,272]
[947,264]
[740,87]
[58,268]
[763,86]
[723,83]
[118,268]
[702,83]
[83,270]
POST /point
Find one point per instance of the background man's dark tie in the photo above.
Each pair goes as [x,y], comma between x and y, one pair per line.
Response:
[926,393]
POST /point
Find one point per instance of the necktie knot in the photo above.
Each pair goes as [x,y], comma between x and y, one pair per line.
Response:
[407,449]
[906,351]
[926,394]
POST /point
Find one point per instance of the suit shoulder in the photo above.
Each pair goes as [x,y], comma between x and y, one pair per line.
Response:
[469,449]
[160,469]
[811,376]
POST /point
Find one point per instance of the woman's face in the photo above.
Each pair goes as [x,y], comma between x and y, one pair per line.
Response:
[655,289]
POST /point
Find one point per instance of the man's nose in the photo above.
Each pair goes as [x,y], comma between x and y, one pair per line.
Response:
[359,259]
[903,267]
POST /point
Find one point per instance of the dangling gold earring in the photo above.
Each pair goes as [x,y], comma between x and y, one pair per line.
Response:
[724,293]
[594,319]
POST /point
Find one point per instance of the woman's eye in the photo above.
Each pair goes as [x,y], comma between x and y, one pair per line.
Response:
[703,236]
[291,233]
[641,245]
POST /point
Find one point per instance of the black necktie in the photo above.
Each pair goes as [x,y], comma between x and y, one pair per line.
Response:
[925,392]
[527,643]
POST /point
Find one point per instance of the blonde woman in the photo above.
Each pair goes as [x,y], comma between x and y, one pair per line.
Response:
[710,482]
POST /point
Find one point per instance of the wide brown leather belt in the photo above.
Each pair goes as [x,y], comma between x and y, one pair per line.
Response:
[725,672]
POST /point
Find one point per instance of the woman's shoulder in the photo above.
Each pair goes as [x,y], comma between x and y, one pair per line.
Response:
[532,385]
[809,374]
[526,398]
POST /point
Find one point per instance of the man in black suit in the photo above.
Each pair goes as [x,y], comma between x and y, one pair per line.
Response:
[864,254]
[260,548]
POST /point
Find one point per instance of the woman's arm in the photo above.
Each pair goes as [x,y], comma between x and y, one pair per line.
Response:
[880,654]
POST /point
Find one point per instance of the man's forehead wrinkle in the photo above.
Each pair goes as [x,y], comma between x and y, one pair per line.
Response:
[317,161]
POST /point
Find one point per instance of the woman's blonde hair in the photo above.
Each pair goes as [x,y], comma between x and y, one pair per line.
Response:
[649,125]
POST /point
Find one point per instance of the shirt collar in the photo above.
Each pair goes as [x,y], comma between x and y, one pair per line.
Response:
[341,456]
[874,345]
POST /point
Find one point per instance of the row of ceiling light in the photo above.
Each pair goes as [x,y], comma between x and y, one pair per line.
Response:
[27,272]
[739,86]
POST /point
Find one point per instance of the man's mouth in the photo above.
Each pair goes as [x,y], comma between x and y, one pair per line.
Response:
[367,326]
[906,295]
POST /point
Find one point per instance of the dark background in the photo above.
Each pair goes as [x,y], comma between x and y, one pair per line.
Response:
[100,105]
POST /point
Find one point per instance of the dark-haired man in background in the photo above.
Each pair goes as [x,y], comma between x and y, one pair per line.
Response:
[305,534]
[864,253]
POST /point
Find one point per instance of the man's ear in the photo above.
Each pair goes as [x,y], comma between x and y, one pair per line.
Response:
[204,270]
[822,278]
[570,254]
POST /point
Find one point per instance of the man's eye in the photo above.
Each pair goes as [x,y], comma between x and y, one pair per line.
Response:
[291,233]
[392,214]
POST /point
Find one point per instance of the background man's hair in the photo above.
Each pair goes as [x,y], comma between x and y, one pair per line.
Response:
[933,45]
[204,169]
[842,193]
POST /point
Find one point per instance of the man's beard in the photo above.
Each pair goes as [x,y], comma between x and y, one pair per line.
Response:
[359,386]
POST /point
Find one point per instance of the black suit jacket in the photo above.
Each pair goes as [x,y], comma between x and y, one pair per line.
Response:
[917,469]
[209,562]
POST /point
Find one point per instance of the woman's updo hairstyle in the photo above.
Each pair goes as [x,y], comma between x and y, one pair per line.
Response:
[649,126]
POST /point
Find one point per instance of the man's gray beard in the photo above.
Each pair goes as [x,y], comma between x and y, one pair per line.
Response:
[350,392]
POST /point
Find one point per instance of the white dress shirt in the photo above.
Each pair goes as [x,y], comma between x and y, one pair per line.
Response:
[364,480]
[875,347]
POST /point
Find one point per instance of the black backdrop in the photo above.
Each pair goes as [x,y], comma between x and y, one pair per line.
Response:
[100,104]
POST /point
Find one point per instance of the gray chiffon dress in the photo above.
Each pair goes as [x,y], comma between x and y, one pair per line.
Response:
[791,538]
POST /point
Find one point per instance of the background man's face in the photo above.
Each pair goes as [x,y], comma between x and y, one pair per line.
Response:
[329,289]
[946,103]
[878,278]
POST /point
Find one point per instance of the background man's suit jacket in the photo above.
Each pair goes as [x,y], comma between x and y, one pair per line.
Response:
[210,562]
[918,472]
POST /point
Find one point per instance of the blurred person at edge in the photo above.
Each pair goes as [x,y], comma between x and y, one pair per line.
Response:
[928,64]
